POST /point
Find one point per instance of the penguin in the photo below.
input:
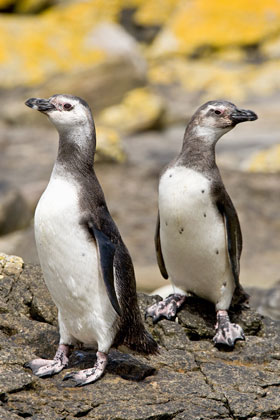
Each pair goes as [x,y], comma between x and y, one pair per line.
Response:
[85,264]
[198,237]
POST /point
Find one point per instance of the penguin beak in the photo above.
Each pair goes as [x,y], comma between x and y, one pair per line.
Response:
[42,105]
[241,115]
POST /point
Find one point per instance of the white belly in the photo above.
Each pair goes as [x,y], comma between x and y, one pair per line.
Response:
[71,268]
[193,238]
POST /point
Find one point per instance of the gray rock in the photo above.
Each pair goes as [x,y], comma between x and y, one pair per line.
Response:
[14,211]
[270,302]
[188,379]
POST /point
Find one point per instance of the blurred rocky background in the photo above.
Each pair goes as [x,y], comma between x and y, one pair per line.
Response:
[144,67]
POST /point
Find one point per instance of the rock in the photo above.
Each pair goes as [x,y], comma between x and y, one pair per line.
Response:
[237,81]
[268,301]
[140,110]
[14,211]
[189,379]
[108,147]
[271,48]
[267,160]
[198,27]
[144,33]
[101,59]
[11,265]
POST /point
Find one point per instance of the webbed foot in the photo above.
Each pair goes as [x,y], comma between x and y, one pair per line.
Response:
[87,376]
[166,308]
[226,332]
[45,367]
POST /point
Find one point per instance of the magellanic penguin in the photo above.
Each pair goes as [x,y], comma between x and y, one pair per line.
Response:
[198,238]
[85,264]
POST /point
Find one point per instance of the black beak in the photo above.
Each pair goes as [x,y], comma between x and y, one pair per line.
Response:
[241,115]
[42,105]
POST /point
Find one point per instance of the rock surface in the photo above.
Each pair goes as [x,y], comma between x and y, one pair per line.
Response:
[189,379]
[14,211]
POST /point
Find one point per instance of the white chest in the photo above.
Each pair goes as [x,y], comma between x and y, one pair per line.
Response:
[70,263]
[192,234]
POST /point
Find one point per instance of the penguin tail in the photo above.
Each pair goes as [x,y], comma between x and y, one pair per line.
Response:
[240,297]
[132,333]
[143,342]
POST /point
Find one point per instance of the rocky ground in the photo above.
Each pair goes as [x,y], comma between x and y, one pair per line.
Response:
[189,379]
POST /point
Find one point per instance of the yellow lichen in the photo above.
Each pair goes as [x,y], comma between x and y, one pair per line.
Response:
[139,110]
[199,23]
[267,160]
[109,147]
[155,12]
[216,78]
[52,42]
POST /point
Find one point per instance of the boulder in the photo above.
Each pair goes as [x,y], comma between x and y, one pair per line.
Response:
[199,27]
[267,301]
[140,110]
[85,56]
[109,146]
[14,210]
[188,379]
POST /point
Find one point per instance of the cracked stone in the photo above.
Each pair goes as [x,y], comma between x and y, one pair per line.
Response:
[189,378]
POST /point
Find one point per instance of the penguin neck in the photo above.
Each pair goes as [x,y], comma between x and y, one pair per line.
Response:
[198,150]
[76,150]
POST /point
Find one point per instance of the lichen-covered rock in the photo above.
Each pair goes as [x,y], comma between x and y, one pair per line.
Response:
[109,147]
[10,265]
[204,25]
[217,77]
[188,379]
[63,39]
[140,110]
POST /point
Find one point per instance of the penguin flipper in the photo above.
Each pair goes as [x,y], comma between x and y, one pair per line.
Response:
[233,234]
[160,259]
[107,251]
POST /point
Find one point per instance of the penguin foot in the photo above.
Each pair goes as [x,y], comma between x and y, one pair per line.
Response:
[45,367]
[87,376]
[166,308]
[226,332]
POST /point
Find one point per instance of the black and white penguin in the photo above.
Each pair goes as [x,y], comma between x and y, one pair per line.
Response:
[198,238]
[85,264]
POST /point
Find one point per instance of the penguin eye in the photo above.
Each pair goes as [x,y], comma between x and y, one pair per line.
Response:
[217,112]
[67,107]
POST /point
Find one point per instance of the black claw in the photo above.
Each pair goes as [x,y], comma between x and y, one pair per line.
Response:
[68,376]
[80,384]
[156,319]
[27,365]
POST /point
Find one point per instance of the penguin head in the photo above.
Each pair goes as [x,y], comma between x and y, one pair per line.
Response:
[215,118]
[64,111]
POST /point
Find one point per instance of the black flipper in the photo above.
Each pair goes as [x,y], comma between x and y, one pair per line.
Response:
[233,233]
[160,259]
[106,252]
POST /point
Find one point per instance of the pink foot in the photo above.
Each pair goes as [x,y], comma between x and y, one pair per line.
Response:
[87,376]
[166,308]
[44,367]
[226,332]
